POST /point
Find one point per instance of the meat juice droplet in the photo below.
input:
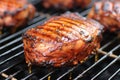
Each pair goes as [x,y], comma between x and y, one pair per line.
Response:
[49,77]
[70,77]
[96,57]
[0,32]
[29,68]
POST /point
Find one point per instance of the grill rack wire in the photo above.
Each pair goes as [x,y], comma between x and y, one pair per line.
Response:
[13,66]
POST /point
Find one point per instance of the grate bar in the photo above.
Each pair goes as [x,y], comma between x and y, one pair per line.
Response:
[111,51]
[108,43]
[34,2]
[100,60]
[11,76]
[5,76]
[114,74]
[70,70]
[105,68]
[85,12]
[14,40]
[46,75]
[104,53]
[10,43]
[11,57]
[36,71]
[20,32]
[29,23]
[34,20]
[4,34]
[13,49]
[17,62]
[31,74]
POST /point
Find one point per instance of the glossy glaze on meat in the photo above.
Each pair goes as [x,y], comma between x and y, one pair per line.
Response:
[62,40]
[107,12]
[65,4]
[15,13]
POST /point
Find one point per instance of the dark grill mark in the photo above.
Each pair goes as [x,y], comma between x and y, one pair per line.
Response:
[69,25]
[67,28]
[83,32]
[62,30]
[40,36]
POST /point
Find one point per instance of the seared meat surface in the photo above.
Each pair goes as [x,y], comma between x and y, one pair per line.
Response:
[62,40]
[15,13]
[107,12]
[65,4]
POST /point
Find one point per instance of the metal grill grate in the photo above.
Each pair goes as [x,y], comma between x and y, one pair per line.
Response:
[13,66]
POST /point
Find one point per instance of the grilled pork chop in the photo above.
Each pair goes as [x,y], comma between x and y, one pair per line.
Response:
[65,4]
[62,40]
[15,13]
[107,12]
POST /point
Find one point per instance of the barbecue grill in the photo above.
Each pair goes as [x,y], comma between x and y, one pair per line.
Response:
[13,66]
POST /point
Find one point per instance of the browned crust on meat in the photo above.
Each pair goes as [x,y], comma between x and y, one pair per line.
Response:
[107,12]
[15,13]
[65,4]
[62,40]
